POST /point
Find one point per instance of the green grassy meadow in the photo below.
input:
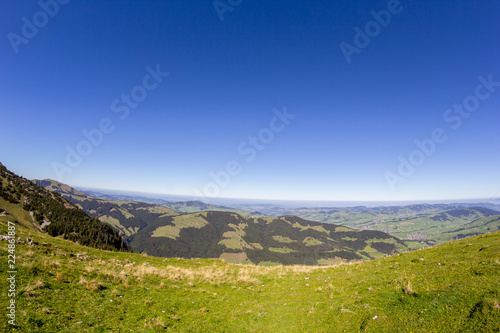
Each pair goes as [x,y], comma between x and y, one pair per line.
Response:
[64,287]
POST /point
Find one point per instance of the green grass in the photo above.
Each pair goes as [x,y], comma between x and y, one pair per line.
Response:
[180,222]
[281,250]
[283,239]
[235,258]
[317,228]
[17,213]
[454,287]
[234,239]
[311,241]
[116,224]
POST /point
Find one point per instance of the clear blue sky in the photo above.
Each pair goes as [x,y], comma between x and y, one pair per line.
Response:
[353,120]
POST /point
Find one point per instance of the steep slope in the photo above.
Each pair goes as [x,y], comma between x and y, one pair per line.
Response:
[34,207]
[240,239]
[64,287]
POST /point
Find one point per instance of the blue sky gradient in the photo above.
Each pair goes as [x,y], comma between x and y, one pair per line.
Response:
[353,120]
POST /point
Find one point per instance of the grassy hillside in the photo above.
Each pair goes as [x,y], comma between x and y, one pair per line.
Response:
[64,287]
[477,227]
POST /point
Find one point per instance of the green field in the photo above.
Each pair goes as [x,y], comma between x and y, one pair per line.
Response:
[424,224]
[64,287]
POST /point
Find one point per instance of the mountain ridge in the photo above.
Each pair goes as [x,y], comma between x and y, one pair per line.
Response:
[229,235]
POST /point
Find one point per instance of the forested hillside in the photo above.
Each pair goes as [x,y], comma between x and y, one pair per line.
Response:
[160,231]
[33,206]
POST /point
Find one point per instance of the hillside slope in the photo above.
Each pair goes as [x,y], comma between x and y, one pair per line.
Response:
[64,287]
[160,231]
[474,228]
[240,239]
[36,208]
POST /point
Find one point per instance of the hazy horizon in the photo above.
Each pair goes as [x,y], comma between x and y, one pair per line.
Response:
[277,202]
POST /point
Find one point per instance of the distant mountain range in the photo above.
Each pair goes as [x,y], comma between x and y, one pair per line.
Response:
[326,214]
[189,206]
